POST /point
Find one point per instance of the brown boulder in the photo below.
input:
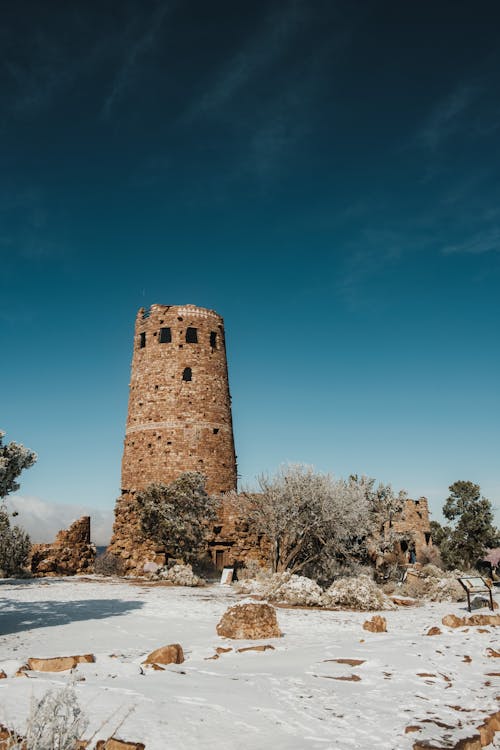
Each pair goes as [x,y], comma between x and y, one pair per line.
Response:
[59,663]
[114,744]
[377,624]
[483,620]
[8,738]
[452,621]
[434,631]
[249,621]
[172,654]
[493,653]
[488,729]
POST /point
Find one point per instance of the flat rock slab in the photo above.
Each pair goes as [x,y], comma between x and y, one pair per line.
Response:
[59,663]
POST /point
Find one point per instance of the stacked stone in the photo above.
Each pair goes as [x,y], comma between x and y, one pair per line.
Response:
[70,554]
[179,416]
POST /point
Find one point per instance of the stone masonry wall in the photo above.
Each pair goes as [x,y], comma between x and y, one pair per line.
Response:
[177,424]
[70,554]
[414,521]
[179,416]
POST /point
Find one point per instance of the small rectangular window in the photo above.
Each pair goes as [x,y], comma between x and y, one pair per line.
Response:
[191,335]
[165,336]
[213,339]
[142,340]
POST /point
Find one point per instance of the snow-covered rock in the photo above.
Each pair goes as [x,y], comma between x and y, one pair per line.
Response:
[250,620]
[284,587]
[358,592]
[180,575]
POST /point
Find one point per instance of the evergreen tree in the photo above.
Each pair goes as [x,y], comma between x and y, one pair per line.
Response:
[13,459]
[471,531]
[177,515]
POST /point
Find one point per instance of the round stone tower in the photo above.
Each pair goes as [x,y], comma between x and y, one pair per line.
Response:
[179,417]
[179,412]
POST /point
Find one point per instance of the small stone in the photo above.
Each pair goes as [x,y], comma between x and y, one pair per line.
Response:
[434,631]
[3,676]
[267,647]
[172,654]
[452,621]
[377,624]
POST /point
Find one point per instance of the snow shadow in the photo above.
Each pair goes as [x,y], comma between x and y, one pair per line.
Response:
[18,616]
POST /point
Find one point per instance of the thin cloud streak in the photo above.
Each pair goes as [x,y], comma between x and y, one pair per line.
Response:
[261,51]
[487,241]
[448,116]
[145,43]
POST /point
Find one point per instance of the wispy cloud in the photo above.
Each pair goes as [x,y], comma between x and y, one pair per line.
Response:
[264,48]
[143,44]
[487,241]
[43,519]
[448,116]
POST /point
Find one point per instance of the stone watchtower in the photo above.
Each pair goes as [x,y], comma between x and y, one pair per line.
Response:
[179,412]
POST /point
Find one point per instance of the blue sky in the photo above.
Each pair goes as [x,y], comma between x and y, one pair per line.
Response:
[325,175]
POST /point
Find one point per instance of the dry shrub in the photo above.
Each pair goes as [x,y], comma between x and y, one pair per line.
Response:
[180,575]
[360,593]
[284,587]
[55,722]
[109,564]
[435,585]
[431,556]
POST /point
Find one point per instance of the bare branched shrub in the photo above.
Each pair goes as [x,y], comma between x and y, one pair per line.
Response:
[307,517]
[109,564]
[55,722]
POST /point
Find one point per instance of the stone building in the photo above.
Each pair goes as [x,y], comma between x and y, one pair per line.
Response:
[179,419]
[414,523]
[179,415]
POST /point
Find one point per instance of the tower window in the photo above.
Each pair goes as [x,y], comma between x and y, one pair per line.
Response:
[142,340]
[216,430]
[187,374]
[165,336]
[213,339]
[191,335]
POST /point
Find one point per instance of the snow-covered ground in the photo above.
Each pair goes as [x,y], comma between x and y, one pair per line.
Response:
[286,698]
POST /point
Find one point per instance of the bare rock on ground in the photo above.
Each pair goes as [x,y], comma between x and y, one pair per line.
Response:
[249,621]
[377,624]
[171,654]
[114,744]
[452,621]
[59,663]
